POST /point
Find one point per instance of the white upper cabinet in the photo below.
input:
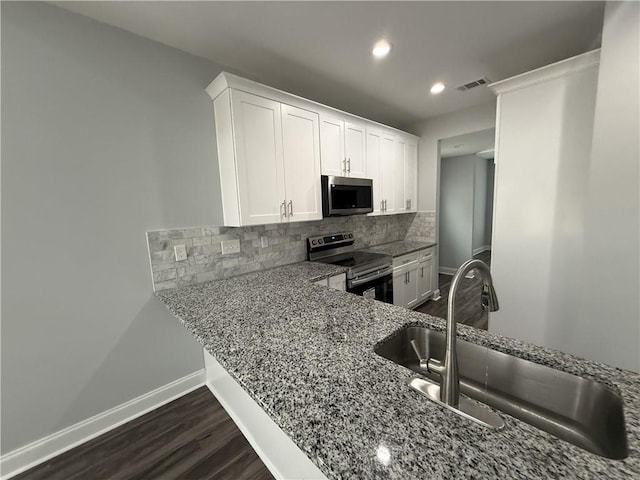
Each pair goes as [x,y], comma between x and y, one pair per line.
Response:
[354,149]
[411,176]
[399,176]
[388,173]
[333,160]
[257,128]
[381,169]
[269,157]
[301,147]
[342,147]
[273,147]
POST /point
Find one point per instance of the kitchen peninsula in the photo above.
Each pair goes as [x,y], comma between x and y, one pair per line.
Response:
[304,353]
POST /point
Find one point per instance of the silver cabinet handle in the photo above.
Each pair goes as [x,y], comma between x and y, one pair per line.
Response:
[344,165]
[385,205]
[410,202]
[406,204]
[421,272]
[283,209]
[382,205]
[291,208]
[349,164]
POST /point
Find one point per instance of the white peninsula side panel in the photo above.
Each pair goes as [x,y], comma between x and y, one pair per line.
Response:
[277,451]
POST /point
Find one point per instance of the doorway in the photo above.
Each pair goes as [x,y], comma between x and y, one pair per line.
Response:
[464,219]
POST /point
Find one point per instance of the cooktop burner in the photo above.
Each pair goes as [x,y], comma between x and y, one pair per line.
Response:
[353,258]
[337,249]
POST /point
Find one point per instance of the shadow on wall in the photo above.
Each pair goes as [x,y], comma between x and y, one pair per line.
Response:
[153,328]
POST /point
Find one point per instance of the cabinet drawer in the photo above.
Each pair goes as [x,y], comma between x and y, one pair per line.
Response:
[426,254]
[405,260]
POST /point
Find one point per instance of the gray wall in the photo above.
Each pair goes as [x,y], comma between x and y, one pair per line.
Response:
[479,204]
[104,135]
[608,327]
[456,210]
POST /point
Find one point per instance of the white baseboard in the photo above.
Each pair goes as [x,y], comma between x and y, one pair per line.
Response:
[481,249]
[40,451]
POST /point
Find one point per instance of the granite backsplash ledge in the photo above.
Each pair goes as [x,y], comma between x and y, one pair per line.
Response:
[286,244]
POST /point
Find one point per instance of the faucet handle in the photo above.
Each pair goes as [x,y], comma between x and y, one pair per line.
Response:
[423,360]
[488,298]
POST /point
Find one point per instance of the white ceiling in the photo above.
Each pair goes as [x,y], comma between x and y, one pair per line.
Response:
[468,144]
[322,50]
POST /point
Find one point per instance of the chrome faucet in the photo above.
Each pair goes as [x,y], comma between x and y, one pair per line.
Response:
[448,367]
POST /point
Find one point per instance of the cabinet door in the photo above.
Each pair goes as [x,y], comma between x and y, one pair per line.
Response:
[387,173]
[425,276]
[257,127]
[354,149]
[399,288]
[332,156]
[399,173]
[301,151]
[411,176]
[411,288]
[373,168]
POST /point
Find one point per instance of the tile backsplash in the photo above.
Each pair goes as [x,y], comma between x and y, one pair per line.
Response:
[286,244]
[423,227]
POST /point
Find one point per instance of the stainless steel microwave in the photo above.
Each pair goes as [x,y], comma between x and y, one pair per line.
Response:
[346,196]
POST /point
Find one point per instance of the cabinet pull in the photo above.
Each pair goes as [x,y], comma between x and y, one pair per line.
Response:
[421,272]
[344,165]
[406,204]
[410,200]
[382,205]
[283,209]
[291,208]
[349,165]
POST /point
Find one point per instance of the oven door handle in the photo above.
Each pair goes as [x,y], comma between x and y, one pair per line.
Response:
[381,273]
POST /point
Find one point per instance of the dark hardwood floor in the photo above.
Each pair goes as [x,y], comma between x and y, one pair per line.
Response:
[469,311]
[190,438]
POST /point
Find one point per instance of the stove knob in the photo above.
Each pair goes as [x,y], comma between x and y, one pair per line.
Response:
[320,242]
[314,242]
[351,235]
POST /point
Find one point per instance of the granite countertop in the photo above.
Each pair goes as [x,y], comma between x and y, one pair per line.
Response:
[305,354]
[399,248]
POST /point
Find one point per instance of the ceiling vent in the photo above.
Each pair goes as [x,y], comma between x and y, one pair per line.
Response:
[474,84]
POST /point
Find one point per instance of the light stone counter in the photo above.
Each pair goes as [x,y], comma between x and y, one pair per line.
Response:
[305,354]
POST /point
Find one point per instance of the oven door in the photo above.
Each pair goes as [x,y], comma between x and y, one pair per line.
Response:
[378,285]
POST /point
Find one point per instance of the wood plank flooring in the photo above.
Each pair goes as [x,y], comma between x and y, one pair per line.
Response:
[469,311]
[190,438]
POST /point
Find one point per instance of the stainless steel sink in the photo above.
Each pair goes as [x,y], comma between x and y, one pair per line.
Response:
[583,412]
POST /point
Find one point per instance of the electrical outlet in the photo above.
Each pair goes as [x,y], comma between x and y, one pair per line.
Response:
[264,242]
[181,252]
[230,246]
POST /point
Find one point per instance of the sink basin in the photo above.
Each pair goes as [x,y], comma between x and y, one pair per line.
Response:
[583,412]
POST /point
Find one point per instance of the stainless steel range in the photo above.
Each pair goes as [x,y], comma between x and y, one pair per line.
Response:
[368,274]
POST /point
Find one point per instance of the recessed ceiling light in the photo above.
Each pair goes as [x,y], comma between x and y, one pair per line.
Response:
[437,88]
[381,49]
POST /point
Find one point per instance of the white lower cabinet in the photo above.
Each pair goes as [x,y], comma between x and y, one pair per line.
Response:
[413,278]
[425,279]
